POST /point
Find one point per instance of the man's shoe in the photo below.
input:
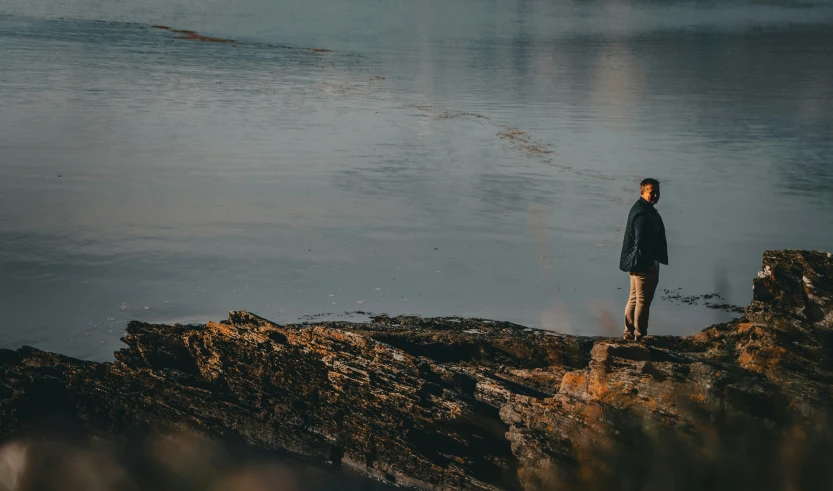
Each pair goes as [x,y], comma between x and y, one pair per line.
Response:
[639,338]
[629,336]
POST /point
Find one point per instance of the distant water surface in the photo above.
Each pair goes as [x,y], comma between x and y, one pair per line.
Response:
[473,158]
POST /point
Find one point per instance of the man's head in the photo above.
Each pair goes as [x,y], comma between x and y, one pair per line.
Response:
[649,190]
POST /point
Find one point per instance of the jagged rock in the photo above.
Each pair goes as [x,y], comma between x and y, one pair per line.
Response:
[470,404]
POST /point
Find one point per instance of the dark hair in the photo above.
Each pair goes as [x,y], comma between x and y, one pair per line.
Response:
[647,181]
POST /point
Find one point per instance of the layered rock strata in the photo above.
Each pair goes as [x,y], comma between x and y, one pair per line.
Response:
[468,404]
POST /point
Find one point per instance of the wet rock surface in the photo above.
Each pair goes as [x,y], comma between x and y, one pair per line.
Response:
[449,403]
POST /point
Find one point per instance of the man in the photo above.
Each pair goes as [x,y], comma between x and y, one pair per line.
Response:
[643,249]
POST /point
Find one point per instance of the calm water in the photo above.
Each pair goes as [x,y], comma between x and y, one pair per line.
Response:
[146,177]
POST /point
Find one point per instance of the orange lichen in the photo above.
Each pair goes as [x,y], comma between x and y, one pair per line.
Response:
[758,359]
[224,329]
[698,397]
[651,403]
[745,326]
[573,382]
[592,414]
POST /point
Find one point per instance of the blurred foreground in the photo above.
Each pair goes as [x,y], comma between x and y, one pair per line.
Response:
[745,458]
[181,463]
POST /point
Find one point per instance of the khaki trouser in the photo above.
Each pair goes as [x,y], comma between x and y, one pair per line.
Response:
[643,286]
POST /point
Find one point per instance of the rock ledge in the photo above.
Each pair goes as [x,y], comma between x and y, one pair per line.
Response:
[448,403]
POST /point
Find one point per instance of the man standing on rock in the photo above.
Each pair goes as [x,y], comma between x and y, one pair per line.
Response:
[643,249]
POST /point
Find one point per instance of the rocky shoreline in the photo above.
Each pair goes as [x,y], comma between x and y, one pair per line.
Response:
[465,404]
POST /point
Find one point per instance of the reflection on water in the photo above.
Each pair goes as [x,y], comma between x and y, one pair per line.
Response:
[446,158]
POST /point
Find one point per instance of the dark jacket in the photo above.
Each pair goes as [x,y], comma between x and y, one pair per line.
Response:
[644,239]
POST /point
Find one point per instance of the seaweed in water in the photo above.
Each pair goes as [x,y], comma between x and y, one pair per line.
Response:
[675,295]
